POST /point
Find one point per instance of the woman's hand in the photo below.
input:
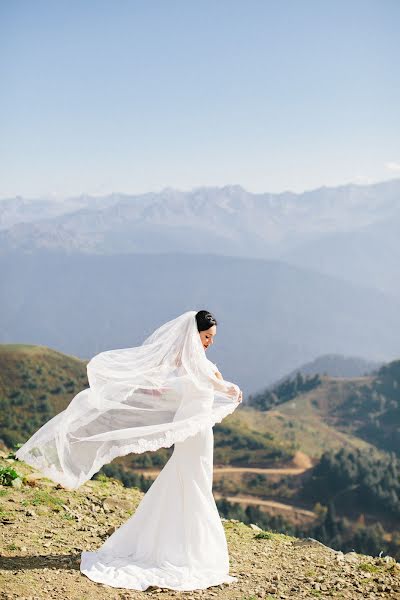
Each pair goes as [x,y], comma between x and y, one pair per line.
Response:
[233,391]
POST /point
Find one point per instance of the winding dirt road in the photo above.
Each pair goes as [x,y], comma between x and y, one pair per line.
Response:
[221,470]
[301,462]
[280,506]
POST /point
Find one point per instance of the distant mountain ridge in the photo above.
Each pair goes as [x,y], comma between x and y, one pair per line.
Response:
[335,365]
[325,209]
[290,276]
[30,210]
[347,231]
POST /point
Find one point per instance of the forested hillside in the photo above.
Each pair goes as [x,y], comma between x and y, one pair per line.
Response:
[286,390]
[367,407]
[36,383]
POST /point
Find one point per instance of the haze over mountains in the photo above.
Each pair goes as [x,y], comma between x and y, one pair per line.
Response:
[290,276]
[336,365]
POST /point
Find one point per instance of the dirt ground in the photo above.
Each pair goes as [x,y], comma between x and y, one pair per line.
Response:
[44,529]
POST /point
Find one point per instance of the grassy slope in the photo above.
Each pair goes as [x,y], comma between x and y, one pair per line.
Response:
[308,422]
[36,383]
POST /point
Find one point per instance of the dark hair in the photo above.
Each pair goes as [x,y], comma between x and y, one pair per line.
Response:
[205,320]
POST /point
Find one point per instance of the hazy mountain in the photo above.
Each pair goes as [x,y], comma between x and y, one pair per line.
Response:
[30,210]
[272,316]
[370,255]
[348,231]
[336,365]
[206,219]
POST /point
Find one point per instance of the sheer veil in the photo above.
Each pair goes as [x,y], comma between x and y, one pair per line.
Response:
[140,398]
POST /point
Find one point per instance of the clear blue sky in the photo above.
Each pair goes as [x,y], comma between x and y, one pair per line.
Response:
[135,96]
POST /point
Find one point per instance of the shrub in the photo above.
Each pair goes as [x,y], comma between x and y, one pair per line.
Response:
[7,475]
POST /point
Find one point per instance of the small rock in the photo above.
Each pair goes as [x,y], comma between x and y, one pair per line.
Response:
[388,559]
[316,585]
[309,541]
[351,557]
[110,504]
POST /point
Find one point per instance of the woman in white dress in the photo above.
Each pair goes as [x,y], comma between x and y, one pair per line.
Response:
[161,393]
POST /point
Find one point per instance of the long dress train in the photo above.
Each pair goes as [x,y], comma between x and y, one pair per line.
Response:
[175,539]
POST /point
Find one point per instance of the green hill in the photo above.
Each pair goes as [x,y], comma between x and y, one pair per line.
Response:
[359,411]
[37,382]
[311,414]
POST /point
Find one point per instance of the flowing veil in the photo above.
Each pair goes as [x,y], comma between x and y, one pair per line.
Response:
[139,399]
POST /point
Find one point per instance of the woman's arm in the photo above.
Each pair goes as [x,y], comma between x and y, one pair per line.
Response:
[218,374]
[231,390]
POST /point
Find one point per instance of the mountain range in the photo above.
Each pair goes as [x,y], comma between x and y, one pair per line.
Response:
[290,277]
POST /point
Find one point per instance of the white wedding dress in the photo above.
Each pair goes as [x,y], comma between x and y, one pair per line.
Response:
[175,539]
[164,392]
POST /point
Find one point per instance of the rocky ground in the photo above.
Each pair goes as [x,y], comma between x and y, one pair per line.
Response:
[45,528]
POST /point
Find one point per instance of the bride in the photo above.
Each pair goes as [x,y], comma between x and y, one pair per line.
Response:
[164,392]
